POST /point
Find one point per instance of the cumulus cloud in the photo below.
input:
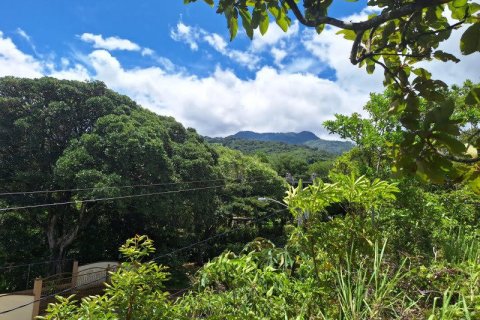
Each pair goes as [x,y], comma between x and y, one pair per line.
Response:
[451,72]
[15,62]
[222,103]
[187,34]
[275,37]
[286,96]
[110,43]
[193,36]
[274,42]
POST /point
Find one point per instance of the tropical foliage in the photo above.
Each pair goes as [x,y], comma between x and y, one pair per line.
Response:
[395,38]
[364,242]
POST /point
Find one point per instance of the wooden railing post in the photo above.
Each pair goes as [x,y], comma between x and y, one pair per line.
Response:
[37,294]
[107,274]
[74,274]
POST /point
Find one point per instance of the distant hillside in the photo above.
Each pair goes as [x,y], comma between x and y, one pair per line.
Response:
[332,146]
[302,138]
[287,137]
[272,148]
[299,160]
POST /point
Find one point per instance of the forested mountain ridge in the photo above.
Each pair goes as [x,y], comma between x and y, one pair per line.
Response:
[287,137]
[296,159]
[291,138]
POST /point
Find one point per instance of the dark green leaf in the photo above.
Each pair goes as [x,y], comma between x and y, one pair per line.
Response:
[470,41]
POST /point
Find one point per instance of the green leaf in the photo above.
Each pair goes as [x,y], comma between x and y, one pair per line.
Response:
[233,24]
[320,28]
[444,56]
[422,73]
[210,2]
[473,97]
[256,17]
[270,292]
[283,23]
[370,68]
[348,34]
[264,22]
[453,145]
[470,41]
[247,22]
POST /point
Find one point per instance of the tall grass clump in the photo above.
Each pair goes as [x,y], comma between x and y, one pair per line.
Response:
[371,291]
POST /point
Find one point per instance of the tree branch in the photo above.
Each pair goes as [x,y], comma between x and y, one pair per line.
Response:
[461,160]
[394,76]
[367,24]
[403,44]
[355,46]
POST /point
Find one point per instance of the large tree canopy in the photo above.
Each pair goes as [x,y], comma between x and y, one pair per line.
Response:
[64,144]
[398,36]
[74,136]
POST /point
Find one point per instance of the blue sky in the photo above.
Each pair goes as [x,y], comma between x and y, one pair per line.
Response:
[176,60]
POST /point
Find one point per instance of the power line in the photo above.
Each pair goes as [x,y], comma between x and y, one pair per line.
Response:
[94,200]
[33,263]
[108,187]
[113,198]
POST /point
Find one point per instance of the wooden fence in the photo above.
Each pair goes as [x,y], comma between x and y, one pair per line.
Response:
[82,280]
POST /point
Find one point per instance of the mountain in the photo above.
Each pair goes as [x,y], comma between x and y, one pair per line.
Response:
[304,138]
[287,137]
[271,148]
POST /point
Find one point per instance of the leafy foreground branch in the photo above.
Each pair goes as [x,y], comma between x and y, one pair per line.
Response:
[335,265]
[399,37]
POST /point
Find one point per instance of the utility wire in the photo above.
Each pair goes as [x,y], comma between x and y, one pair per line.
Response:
[116,198]
[94,200]
[109,187]
[155,258]
[33,263]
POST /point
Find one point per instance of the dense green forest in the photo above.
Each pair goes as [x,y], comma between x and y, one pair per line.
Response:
[301,138]
[87,142]
[298,160]
[362,243]
[365,243]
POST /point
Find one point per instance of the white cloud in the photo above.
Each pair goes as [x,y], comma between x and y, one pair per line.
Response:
[15,62]
[243,58]
[216,41]
[222,103]
[147,52]
[193,36]
[286,98]
[110,43]
[278,55]
[274,37]
[451,72]
[334,51]
[76,72]
[187,34]
[23,34]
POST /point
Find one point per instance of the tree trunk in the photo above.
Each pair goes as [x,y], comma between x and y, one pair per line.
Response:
[60,236]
